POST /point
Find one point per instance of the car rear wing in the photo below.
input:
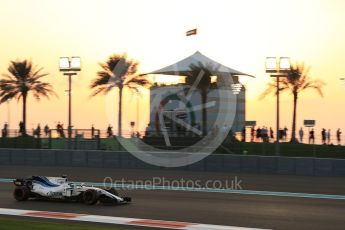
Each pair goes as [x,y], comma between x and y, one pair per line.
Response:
[19,182]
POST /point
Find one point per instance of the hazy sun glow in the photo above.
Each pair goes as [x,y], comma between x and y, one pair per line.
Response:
[238,34]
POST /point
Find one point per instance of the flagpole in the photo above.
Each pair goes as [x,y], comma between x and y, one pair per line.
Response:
[194,41]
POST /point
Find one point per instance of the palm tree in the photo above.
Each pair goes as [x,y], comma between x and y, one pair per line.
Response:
[297,81]
[23,78]
[118,72]
[202,74]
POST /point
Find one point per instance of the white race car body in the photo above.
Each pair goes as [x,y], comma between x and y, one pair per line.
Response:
[59,188]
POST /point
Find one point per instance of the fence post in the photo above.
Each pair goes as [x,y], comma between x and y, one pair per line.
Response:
[50,139]
[98,140]
[75,145]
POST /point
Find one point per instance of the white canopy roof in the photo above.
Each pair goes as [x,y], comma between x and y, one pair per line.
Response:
[184,66]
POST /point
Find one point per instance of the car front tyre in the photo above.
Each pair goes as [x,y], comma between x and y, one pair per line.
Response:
[90,197]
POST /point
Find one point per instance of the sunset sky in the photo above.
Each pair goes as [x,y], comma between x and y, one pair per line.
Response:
[238,34]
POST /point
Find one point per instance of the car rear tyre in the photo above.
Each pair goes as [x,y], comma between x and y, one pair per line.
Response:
[21,193]
[90,197]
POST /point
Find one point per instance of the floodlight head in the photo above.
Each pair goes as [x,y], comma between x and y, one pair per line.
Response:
[64,64]
[271,65]
[75,64]
[284,64]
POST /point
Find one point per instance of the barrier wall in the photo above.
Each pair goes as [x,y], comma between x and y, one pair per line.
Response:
[212,163]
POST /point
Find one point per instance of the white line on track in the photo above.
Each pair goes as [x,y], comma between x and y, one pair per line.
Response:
[118,220]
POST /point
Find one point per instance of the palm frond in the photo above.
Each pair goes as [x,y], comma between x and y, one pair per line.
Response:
[98,90]
[202,73]
[117,72]
[297,80]
[22,78]
[136,81]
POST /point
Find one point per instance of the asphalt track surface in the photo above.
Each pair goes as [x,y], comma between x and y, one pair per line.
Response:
[255,211]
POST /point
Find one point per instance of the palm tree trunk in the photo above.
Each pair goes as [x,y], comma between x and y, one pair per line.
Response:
[204,112]
[120,113]
[24,114]
[293,130]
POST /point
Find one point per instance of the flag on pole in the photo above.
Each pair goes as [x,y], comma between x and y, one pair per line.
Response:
[191,32]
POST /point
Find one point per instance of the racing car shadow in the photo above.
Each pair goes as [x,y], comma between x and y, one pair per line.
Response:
[43,201]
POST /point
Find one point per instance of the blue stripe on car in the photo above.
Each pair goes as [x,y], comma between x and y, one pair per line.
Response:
[48,181]
[43,181]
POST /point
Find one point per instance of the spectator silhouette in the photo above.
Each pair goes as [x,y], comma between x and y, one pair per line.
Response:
[46,130]
[252,133]
[323,136]
[37,131]
[5,130]
[264,134]
[339,136]
[21,128]
[148,130]
[311,136]
[60,131]
[92,132]
[110,131]
[328,136]
[285,133]
[258,134]
[58,128]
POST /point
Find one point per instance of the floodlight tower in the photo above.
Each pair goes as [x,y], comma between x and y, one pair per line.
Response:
[277,67]
[70,66]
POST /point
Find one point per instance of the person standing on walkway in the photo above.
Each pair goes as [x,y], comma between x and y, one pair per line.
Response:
[46,130]
[311,136]
[5,130]
[258,134]
[328,136]
[92,132]
[38,131]
[60,131]
[323,136]
[110,131]
[339,136]
[285,133]
[252,134]
[21,128]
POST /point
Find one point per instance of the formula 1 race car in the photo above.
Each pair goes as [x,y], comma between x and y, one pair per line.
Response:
[58,188]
